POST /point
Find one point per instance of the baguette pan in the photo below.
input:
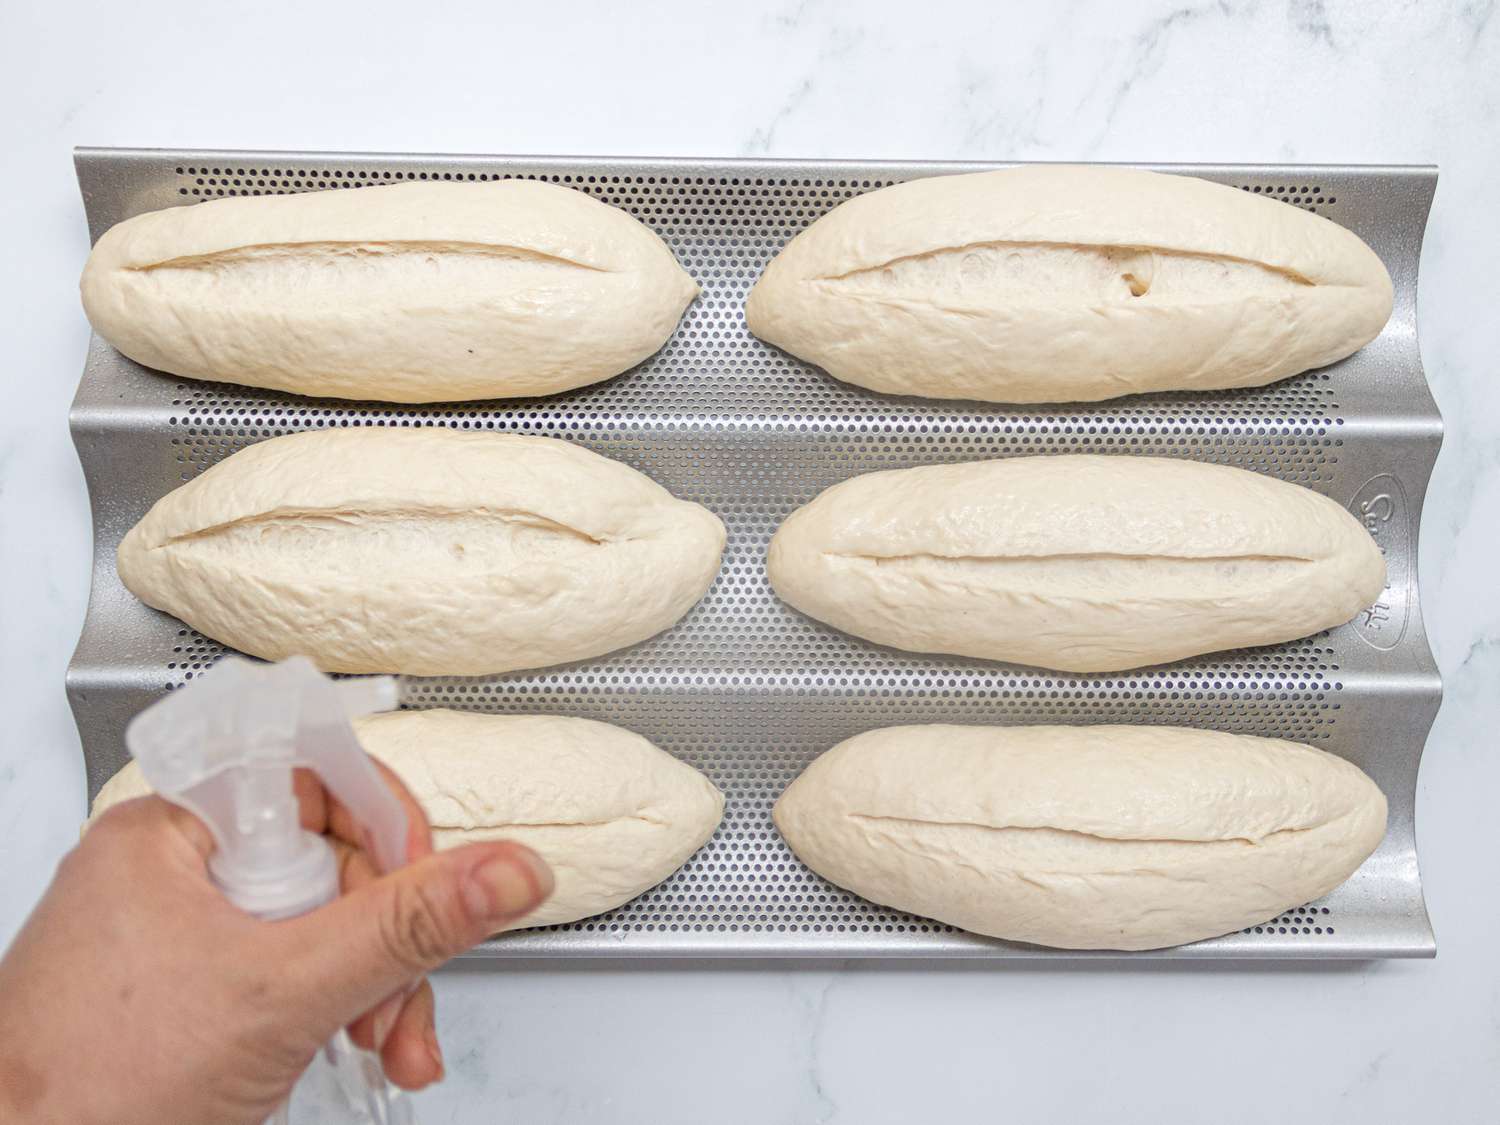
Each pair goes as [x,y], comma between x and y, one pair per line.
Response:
[1056,283]
[610,813]
[1080,563]
[1105,837]
[429,292]
[424,551]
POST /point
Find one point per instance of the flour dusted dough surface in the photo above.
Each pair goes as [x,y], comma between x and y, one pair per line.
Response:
[1059,283]
[427,292]
[1079,563]
[610,813]
[1104,837]
[423,551]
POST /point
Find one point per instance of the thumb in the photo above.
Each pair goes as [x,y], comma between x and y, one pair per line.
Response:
[364,946]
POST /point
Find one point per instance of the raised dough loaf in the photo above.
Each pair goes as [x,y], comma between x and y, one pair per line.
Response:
[1106,837]
[1058,284]
[610,813]
[1079,563]
[425,551]
[428,292]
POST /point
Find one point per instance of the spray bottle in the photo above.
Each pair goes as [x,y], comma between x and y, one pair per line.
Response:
[224,748]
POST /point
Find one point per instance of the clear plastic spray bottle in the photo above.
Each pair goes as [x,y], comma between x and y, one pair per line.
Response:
[224,748]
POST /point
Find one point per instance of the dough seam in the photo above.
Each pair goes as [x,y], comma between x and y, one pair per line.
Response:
[1101,249]
[291,516]
[263,251]
[1103,838]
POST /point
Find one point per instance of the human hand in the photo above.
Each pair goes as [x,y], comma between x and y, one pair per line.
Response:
[137,993]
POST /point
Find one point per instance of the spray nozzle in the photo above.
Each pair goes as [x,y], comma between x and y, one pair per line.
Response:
[224,748]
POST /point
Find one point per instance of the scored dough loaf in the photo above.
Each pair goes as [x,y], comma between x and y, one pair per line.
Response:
[1059,284]
[426,551]
[611,814]
[426,292]
[1105,837]
[1081,563]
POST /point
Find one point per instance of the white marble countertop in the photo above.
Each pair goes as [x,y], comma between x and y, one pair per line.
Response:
[1236,80]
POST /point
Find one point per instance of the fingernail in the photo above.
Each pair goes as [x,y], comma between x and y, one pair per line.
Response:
[507,884]
[434,1051]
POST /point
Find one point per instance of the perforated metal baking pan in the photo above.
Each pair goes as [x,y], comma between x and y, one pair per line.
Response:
[744,688]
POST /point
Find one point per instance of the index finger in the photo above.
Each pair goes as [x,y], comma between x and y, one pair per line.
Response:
[342,824]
